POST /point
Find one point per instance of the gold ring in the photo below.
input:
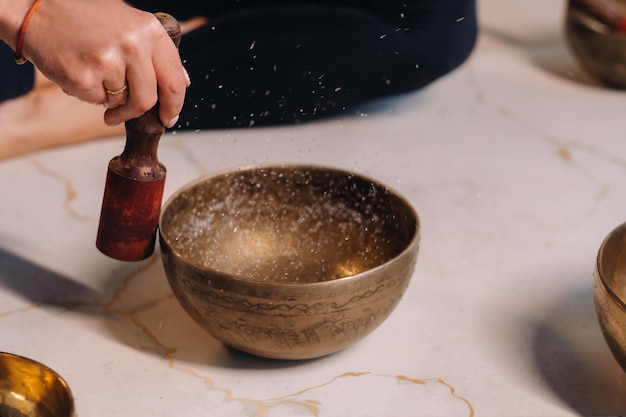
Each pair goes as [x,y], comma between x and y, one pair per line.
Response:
[117,92]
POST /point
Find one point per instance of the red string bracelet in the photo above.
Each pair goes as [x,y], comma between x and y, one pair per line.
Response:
[19,59]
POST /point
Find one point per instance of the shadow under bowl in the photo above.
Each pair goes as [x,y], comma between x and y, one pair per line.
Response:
[598,50]
[289,261]
[31,389]
[609,292]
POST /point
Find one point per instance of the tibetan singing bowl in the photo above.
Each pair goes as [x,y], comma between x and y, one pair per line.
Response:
[610,292]
[30,389]
[288,262]
[600,51]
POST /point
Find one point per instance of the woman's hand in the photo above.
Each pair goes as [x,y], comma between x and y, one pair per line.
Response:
[106,52]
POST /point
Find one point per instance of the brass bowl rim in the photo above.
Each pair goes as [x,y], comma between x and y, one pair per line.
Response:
[60,379]
[619,229]
[293,166]
[38,364]
[576,15]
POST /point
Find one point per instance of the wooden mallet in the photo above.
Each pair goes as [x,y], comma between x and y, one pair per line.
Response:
[134,184]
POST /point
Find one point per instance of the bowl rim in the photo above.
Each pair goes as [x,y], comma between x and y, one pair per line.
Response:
[576,15]
[55,374]
[599,264]
[415,238]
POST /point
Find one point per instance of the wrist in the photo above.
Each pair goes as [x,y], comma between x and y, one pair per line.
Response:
[12,14]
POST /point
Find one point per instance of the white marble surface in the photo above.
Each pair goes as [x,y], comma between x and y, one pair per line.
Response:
[517,166]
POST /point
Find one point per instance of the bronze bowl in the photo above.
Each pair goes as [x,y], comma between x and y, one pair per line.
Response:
[31,389]
[288,262]
[599,51]
[609,292]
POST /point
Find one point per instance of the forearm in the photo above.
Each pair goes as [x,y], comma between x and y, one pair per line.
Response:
[12,13]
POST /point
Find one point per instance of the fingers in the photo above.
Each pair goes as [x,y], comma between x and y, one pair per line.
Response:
[172,81]
[112,67]
[127,74]
[140,94]
[116,96]
[150,76]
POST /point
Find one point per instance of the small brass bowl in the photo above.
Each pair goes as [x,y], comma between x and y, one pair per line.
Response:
[598,50]
[288,262]
[609,292]
[30,389]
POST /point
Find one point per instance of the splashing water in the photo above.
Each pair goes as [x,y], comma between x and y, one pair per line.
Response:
[277,225]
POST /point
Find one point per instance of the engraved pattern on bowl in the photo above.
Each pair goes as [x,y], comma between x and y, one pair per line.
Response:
[288,262]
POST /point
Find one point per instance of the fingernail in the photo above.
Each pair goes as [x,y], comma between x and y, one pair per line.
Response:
[172,122]
[187,77]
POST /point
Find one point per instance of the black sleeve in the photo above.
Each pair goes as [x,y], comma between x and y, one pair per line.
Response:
[270,62]
[15,80]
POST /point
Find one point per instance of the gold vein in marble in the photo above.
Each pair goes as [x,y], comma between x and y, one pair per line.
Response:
[70,190]
[313,407]
[19,310]
[190,156]
[444,383]
[262,407]
[594,150]
[131,315]
[563,147]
